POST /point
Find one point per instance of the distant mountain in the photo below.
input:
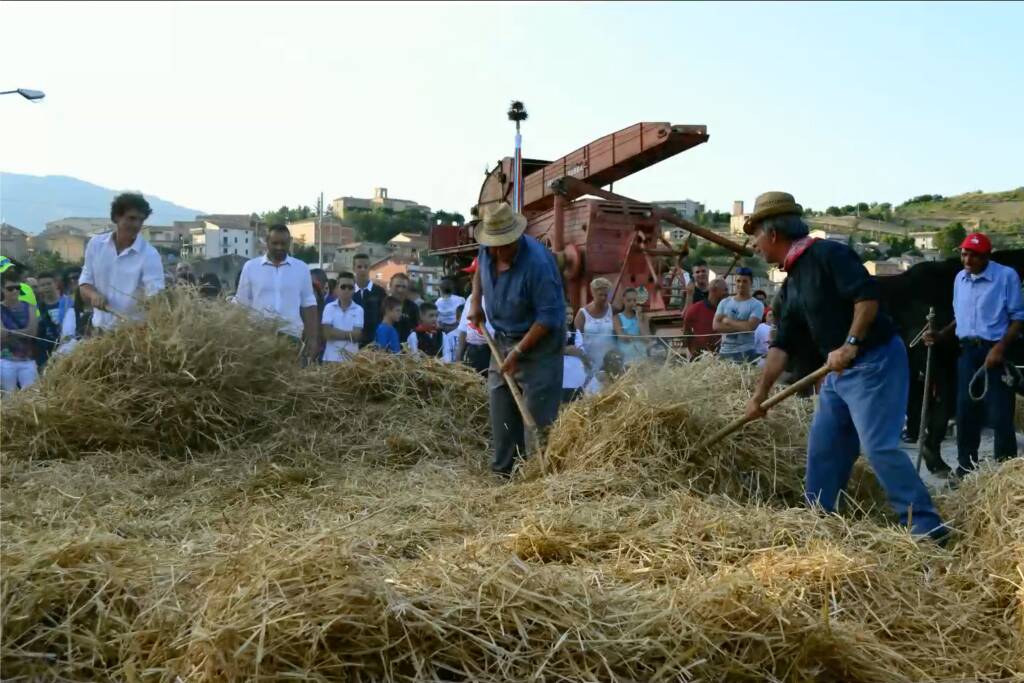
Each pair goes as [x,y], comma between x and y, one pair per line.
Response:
[29,202]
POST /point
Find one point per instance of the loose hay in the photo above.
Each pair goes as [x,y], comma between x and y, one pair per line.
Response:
[357,536]
[650,430]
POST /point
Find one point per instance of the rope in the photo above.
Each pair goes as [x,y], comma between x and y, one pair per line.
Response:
[1012,376]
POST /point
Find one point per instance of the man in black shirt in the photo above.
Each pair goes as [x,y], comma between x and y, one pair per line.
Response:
[829,300]
[369,296]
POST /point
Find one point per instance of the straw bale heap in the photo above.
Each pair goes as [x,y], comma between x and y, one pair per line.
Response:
[343,526]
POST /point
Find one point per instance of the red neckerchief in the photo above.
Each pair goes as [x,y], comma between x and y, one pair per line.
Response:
[422,328]
[796,250]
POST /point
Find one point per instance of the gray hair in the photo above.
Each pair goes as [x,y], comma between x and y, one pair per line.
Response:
[789,225]
[600,283]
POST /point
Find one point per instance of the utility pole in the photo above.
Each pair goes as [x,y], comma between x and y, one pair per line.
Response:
[320,231]
[517,114]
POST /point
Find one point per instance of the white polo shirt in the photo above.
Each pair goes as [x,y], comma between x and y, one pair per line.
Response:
[446,307]
[344,320]
[277,290]
[474,338]
[124,279]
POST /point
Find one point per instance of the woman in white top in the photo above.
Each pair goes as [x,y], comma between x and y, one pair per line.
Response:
[594,322]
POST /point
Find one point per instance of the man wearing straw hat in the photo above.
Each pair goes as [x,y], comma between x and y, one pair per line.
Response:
[829,300]
[522,291]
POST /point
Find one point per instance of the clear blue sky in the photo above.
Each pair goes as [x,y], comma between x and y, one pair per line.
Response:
[237,107]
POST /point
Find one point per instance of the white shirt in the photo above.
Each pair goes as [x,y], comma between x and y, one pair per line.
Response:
[449,345]
[574,374]
[344,320]
[277,290]
[446,307]
[474,338]
[762,339]
[124,279]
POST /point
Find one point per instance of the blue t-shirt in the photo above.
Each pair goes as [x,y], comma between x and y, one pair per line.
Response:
[741,311]
[387,338]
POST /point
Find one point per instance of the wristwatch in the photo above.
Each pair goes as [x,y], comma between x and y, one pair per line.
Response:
[853,341]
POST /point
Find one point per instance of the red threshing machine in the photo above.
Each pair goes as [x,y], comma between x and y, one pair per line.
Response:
[593,232]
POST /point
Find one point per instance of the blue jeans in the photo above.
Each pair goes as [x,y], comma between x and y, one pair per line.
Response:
[865,407]
[996,408]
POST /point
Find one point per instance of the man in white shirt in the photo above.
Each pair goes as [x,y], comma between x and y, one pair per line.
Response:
[120,267]
[278,285]
[342,323]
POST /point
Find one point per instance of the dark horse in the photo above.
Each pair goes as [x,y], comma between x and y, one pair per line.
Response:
[907,298]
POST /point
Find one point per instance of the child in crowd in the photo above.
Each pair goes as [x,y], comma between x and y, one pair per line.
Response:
[386,337]
[427,339]
[448,305]
[450,345]
[763,336]
[574,371]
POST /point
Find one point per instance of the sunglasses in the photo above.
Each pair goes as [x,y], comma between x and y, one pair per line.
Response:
[346,287]
[13,288]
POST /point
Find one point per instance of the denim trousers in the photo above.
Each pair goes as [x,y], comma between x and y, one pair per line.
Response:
[864,407]
[996,408]
[539,375]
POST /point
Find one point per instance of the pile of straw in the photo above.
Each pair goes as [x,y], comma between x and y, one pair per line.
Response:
[341,525]
[650,431]
[201,375]
[237,568]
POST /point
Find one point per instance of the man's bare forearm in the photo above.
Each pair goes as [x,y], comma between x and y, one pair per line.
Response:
[864,314]
[532,336]
[310,324]
[774,366]
[1012,333]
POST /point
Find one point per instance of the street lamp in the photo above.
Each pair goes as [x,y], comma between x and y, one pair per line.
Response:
[28,94]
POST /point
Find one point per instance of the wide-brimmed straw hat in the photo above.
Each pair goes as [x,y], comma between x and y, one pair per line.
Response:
[501,226]
[771,204]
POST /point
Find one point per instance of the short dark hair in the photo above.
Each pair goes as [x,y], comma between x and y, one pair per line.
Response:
[390,303]
[400,276]
[279,227]
[45,273]
[318,273]
[129,200]
[790,225]
[360,255]
[346,274]
[427,307]
[8,276]
[70,273]
[700,262]
[761,292]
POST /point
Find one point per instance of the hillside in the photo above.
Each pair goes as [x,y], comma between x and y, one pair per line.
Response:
[995,211]
[28,201]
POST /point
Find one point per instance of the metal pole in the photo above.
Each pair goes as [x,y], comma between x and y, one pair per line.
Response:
[320,232]
[924,399]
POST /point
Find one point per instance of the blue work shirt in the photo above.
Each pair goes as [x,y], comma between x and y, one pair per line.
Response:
[387,338]
[986,304]
[528,292]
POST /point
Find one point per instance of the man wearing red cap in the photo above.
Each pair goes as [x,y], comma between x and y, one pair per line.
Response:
[988,315]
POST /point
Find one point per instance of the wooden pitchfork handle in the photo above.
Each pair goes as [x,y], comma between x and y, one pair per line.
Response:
[794,388]
[517,395]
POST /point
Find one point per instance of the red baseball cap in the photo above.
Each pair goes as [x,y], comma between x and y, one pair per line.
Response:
[977,242]
[471,268]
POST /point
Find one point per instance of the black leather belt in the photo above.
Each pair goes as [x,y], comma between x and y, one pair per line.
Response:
[975,341]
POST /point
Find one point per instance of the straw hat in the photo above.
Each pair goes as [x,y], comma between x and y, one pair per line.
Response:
[771,204]
[501,226]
